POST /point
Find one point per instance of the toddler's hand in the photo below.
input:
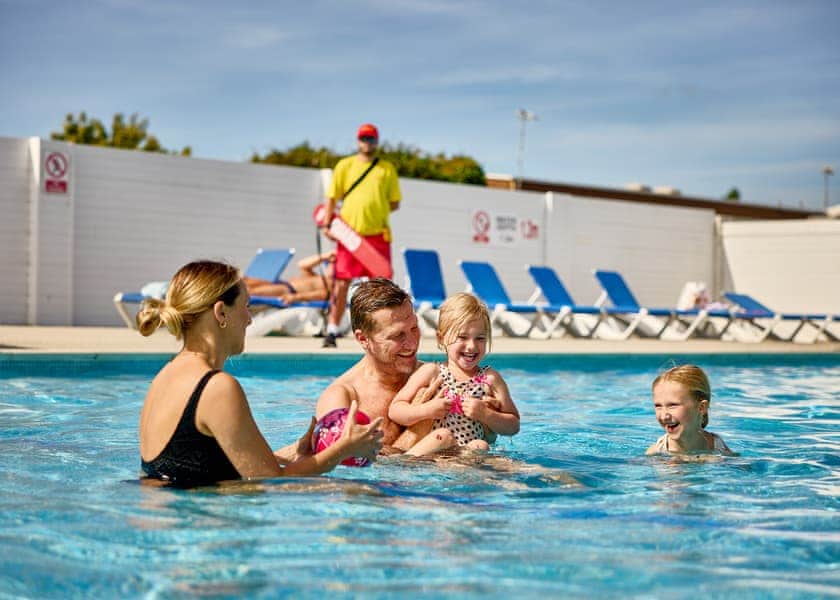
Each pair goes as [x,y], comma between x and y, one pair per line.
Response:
[475,408]
[439,406]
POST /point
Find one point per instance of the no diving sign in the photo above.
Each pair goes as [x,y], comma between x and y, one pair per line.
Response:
[56,172]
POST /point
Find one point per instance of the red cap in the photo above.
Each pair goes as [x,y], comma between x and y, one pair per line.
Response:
[367,130]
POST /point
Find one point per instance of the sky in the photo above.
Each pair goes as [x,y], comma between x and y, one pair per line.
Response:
[699,96]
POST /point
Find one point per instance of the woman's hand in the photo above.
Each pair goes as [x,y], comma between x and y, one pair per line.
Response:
[304,444]
[360,440]
[297,450]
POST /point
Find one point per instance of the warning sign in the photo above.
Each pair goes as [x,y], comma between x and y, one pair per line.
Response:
[502,229]
[56,171]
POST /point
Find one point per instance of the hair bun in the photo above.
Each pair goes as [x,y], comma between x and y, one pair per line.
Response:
[149,318]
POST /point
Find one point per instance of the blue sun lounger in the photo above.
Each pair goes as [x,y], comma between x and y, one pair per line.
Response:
[484,282]
[631,313]
[765,321]
[561,309]
[267,265]
[425,284]
[277,313]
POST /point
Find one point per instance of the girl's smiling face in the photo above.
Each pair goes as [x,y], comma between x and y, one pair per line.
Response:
[468,347]
[679,414]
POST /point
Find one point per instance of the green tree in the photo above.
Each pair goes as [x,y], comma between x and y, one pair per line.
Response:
[733,196]
[409,162]
[129,136]
[302,155]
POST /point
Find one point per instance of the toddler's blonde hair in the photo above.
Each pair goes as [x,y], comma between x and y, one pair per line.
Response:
[455,312]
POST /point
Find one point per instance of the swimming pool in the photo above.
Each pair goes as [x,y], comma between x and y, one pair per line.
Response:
[74,522]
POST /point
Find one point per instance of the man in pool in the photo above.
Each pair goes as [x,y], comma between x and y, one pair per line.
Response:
[383,322]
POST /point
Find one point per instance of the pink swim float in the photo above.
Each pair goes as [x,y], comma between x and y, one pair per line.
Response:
[329,429]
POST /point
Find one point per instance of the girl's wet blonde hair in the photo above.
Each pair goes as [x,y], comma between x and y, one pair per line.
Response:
[195,288]
[455,312]
[694,379]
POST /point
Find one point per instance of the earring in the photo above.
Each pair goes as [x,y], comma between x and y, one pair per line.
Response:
[223,324]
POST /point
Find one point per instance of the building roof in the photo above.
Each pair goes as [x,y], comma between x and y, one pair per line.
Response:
[665,196]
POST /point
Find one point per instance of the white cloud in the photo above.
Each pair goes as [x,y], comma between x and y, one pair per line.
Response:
[255,37]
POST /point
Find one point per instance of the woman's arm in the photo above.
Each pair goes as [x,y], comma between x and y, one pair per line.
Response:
[225,414]
[307,265]
[356,440]
[224,411]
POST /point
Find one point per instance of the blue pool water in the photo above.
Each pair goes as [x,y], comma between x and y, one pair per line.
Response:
[74,522]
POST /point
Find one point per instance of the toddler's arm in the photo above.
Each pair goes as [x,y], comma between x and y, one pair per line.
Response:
[496,409]
[405,411]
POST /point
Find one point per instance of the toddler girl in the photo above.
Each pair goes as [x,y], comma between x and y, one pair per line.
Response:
[473,403]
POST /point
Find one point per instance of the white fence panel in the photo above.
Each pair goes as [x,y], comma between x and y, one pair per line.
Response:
[657,249]
[14,229]
[450,219]
[133,217]
[789,266]
[140,216]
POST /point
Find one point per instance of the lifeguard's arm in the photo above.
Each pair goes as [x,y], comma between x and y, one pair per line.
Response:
[405,411]
[394,193]
[505,419]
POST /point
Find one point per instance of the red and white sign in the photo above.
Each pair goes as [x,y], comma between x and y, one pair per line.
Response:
[56,172]
[502,229]
[481,227]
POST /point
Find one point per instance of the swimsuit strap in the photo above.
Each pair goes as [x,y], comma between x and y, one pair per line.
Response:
[189,411]
[472,386]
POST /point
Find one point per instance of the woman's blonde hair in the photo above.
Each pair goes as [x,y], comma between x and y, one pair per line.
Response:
[455,312]
[694,379]
[195,288]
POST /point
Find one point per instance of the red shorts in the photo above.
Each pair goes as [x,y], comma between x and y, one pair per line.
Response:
[346,265]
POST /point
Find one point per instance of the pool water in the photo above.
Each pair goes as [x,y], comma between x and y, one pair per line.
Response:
[74,522]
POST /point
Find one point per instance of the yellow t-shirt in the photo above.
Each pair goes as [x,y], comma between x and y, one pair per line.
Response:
[368,206]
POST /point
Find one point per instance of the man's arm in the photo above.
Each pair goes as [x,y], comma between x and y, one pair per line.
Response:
[337,395]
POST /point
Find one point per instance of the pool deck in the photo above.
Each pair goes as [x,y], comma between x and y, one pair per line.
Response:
[121,340]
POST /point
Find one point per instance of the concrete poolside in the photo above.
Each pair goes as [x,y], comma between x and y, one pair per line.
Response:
[105,340]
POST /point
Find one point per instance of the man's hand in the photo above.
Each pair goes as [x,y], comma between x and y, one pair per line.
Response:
[432,400]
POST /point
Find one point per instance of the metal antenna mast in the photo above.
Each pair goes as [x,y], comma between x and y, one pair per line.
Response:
[524,117]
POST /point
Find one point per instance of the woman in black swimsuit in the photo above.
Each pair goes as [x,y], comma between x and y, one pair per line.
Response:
[196,427]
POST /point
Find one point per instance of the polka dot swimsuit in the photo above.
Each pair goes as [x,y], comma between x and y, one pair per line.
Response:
[462,427]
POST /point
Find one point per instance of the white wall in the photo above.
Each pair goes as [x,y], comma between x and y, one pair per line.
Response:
[790,266]
[14,224]
[140,216]
[657,249]
[133,217]
[439,216]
